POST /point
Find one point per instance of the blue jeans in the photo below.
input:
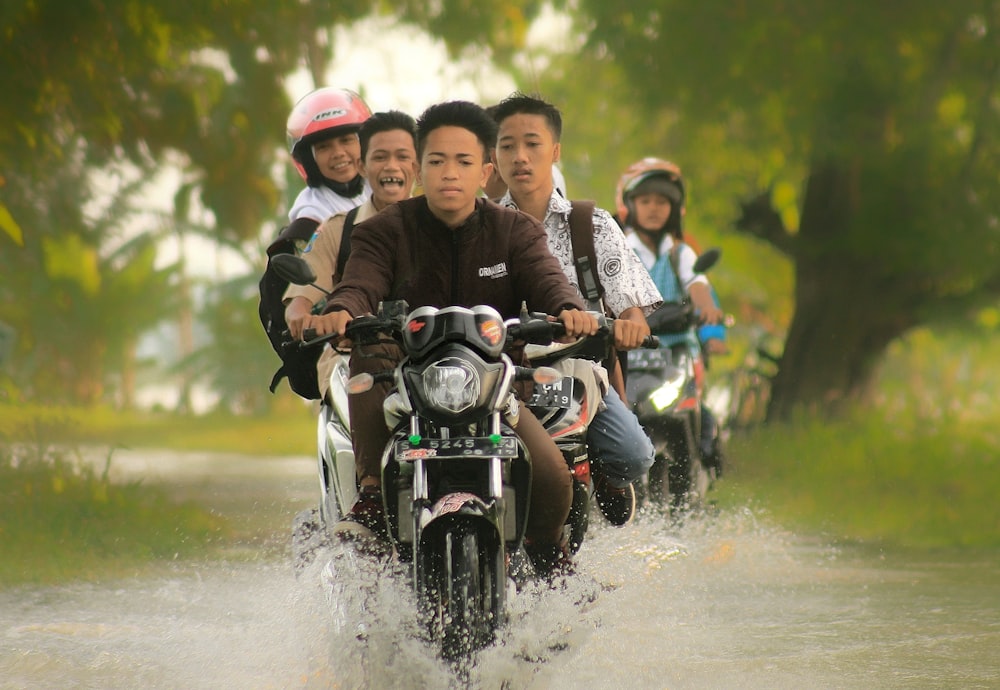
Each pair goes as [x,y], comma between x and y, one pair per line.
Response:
[618,444]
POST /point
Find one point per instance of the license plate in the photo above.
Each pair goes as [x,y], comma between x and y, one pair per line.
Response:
[456,448]
[558,394]
[648,359]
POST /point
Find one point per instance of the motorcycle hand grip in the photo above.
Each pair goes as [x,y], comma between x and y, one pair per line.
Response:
[651,342]
[537,331]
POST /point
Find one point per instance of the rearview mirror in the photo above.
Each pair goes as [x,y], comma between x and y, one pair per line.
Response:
[707,259]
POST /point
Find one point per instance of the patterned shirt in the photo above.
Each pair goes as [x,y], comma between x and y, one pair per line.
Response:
[626,283]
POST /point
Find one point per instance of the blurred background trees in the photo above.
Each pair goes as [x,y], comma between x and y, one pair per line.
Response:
[859,141]
[843,154]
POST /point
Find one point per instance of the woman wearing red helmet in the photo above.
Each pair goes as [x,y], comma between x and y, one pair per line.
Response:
[323,140]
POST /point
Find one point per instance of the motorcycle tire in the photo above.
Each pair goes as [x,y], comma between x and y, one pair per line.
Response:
[688,477]
[463,592]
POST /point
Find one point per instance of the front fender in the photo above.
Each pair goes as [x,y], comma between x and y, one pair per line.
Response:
[458,504]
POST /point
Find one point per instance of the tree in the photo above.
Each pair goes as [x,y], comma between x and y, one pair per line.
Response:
[884,119]
[92,84]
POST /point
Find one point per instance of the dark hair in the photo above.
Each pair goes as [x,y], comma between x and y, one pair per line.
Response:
[385,122]
[457,114]
[519,103]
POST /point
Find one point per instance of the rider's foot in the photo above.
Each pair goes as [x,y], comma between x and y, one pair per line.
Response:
[618,505]
[365,520]
[550,560]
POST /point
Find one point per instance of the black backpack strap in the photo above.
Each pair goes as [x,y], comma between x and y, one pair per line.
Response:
[581,232]
[345,240]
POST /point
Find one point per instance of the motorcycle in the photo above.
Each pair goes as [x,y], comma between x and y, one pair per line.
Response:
[666,387]
[567,407]
[455,477]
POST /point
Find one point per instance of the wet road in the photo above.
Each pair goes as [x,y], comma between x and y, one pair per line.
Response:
[726,602]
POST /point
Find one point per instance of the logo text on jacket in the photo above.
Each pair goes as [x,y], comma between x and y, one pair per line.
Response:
[495,271]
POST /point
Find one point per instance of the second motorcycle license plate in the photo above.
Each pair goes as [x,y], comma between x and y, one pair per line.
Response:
[558,394]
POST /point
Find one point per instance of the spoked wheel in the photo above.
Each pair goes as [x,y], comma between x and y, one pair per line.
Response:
[461,587]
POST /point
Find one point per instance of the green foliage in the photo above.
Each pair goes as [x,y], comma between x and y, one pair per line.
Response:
[62,520]
[917,469]
[137,79]
[78,291]
[237,361]
[500,27]
[870,132]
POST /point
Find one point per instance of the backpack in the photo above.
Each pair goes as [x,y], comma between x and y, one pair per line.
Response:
[298,364]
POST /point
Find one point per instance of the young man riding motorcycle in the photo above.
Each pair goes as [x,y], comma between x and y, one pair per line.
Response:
[526,151]
[452,247]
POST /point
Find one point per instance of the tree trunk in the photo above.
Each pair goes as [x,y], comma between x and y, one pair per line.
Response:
[848,308]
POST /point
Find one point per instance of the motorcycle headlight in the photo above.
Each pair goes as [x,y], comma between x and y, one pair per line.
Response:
[454,386]
[667,394]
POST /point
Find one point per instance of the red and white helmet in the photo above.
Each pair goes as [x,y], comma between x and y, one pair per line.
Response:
[318,115]
[642,171]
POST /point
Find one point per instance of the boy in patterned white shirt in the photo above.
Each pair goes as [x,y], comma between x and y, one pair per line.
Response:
[527,147]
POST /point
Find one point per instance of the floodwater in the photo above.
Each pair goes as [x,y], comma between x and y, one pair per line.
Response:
[726,601]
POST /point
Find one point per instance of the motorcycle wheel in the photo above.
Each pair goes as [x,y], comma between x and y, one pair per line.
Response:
[688,477]
[657,488]
[463,590]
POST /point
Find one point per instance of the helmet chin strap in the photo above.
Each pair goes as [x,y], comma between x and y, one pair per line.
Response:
[346,189]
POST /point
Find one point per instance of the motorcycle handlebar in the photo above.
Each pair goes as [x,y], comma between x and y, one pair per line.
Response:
[363,329]
[535,328]
[539,330]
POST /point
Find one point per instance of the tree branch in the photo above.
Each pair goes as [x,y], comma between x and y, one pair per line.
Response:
[759,219]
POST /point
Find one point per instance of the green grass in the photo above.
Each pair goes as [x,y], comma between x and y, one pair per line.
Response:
[62,520]
[291,430]
[919,468]
[865,481]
